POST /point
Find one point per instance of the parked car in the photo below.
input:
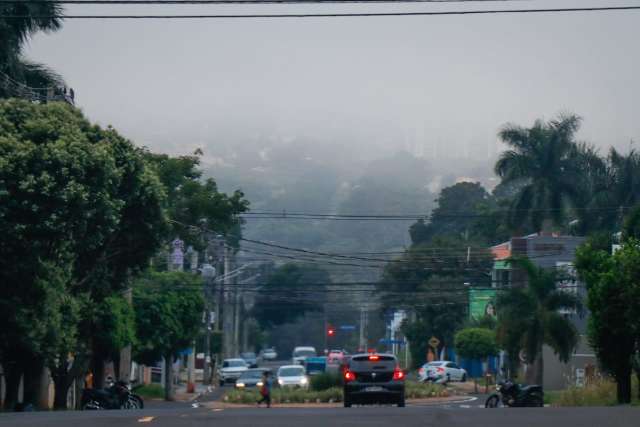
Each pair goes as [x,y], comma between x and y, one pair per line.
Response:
[251,378]
[301,353]
[268,354]
[441,371]
[373,378]
[231,370]
[250,358]
[292,376]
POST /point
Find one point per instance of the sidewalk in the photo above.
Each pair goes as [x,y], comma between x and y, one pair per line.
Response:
[200,390]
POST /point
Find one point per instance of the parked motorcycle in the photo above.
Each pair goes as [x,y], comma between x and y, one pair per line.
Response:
[511,394]
[115,396]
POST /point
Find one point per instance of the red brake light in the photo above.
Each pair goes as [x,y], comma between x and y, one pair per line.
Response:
[374,357]
[398,374]
[349,376]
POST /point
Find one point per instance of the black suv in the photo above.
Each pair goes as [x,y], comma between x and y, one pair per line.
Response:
[373,378]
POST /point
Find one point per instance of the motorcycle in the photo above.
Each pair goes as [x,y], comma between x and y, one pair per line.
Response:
[116,396]
[511,394]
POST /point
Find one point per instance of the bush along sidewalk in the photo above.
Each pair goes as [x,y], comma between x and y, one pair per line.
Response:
[599,393]
[413,390]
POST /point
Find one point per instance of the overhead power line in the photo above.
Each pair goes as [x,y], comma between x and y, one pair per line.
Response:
[249,2]
[336,14]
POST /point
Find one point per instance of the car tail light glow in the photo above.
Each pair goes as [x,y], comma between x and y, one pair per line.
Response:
[398,374]
[349,376]
[374,357]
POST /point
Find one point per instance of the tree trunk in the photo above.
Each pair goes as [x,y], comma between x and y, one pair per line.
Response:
[168,378]
[97,368]
[64,376]
[623,384]
[32,381]
[61,386]
[13,374]
[539,369]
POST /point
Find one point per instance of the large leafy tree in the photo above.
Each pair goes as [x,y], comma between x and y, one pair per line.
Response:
[476,343]
[613,302]
[168,310]
[194,204]
[14,35]
[429,279]
[530,317]
[542,159]
[80,200]
[289,292]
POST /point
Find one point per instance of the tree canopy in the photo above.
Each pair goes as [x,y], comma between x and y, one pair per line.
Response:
[614,305]
[289,292]
[476,343]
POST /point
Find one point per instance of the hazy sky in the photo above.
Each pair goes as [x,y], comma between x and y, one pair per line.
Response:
[388,82]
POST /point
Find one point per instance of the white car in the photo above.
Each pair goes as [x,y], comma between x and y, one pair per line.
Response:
[441,371]
[300,354]
[292,376]
[268,354]
[231,370]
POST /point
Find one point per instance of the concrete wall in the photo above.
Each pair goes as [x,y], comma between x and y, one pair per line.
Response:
[558,375]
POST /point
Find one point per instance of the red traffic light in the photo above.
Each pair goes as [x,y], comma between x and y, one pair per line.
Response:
[331,332]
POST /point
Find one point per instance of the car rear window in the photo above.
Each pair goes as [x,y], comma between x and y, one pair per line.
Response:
[372,362]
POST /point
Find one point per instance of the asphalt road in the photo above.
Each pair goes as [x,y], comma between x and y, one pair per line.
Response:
[181,416]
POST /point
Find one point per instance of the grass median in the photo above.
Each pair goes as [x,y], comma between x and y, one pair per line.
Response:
[414,390]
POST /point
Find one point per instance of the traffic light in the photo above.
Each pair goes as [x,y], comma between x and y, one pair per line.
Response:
[331,332]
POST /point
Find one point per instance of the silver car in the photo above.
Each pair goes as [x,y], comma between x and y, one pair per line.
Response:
[231,370]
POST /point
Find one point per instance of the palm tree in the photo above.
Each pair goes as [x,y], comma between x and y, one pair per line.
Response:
[609,187]
[532,316]
[542,161]
[14,34]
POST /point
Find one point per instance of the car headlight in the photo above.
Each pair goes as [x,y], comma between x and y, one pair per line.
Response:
[259,383]
[280,381]
[304,381]
[239,385]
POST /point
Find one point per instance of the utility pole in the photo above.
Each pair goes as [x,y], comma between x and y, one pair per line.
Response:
[362,341]
[209,274]
[227,323]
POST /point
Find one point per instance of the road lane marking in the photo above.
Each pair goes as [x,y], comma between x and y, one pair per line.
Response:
[217,410]
[146,419]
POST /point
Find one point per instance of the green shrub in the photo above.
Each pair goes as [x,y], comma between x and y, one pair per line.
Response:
[286,395]
[325,381]
[413,390]
[599,393]
[149,391]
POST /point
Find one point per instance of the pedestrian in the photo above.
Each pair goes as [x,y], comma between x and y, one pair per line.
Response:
[265,389]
